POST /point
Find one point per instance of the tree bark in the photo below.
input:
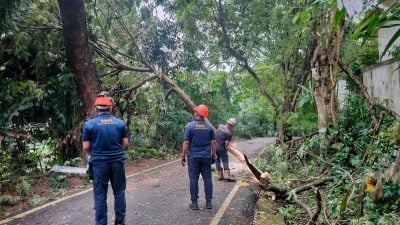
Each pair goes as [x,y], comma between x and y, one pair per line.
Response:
[78,55]
[324,68]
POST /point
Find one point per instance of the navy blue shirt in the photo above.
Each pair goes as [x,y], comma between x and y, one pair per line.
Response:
[199,134]
[222,134]
[105,133]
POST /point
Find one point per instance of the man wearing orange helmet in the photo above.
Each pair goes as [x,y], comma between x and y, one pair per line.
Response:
[105,138]
[200,147]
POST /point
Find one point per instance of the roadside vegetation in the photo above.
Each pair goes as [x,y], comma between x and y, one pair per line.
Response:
[273,65]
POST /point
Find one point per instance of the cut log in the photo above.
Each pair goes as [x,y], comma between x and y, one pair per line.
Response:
[285,194]
[232,149]
[257,173]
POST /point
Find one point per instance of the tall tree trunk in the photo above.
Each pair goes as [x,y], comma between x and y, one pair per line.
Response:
[79,60]
[324,68]
[77,50]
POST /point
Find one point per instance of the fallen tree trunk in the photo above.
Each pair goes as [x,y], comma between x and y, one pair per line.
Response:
[281,192]
[291,194]
[189,103]
[166,81]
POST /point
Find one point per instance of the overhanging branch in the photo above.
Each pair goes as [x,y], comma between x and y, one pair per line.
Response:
[138,85]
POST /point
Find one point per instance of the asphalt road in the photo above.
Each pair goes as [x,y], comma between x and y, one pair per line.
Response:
[159,196]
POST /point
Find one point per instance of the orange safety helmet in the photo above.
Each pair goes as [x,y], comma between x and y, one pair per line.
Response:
[202,110]
[103,102]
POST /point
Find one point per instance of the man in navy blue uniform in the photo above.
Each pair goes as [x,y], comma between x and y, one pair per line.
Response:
[105,138]
[200,147]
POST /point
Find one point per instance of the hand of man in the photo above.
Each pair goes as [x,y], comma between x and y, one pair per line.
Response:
[183,160]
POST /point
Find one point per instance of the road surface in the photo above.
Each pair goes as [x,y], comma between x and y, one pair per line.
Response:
[159,196]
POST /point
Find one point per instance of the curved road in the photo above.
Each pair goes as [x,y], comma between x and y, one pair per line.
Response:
[158,196]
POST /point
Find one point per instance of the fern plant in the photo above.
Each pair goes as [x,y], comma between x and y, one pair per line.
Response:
[8,200]
[58,181]
[37,200]
[23,186]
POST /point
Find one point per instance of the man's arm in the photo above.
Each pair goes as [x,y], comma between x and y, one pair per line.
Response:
[214,147]
[125,143]
[227,143]
[86,147]
[228,139]
[185,148]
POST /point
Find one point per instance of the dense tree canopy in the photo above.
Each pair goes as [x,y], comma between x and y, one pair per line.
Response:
[272,64]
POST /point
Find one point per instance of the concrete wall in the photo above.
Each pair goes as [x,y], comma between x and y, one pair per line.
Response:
[383,82]
[341,93]
[384,36]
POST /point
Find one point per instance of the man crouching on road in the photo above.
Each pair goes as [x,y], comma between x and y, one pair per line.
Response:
[105,138]
[200,146]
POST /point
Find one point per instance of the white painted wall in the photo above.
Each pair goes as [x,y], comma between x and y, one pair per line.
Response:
[383,79]
[341,93]
[384,36]
[383,82]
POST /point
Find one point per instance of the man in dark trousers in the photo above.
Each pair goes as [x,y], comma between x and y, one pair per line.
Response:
[200,147]
[105,138]
[224,138]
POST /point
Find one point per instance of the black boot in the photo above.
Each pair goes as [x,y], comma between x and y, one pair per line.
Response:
[208,204]
[194,205]
[120,223]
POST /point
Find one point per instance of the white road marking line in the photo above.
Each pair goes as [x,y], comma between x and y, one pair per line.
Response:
[22,215]
[148,170]
[224,205]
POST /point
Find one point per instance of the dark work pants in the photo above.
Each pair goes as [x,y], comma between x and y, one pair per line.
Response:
[222,158]
[197,166]
[103,173]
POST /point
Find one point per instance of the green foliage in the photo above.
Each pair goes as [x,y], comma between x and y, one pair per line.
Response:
[350,153]
[23,186]
[58,181]
[73,162]
[7,8]
[376,19]
[345,200]
[6,200]
[290,213]
[42,154]
[273,161]
[311,144]
[39,103]
[36,200]
[254,120]
[274,51]
[305,119]
[356,151]
[385,219]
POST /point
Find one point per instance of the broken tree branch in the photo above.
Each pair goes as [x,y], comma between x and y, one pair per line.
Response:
[318,197]
[283,193]
[138,85]
[303,205]
[257,173]
[393,171]
[308,186]
[121,67]
[363,89]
